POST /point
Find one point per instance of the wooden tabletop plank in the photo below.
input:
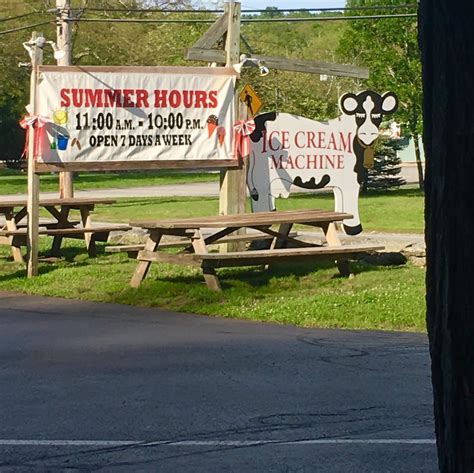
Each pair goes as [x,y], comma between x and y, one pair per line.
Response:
[215,220]
[247,219]
[9,203]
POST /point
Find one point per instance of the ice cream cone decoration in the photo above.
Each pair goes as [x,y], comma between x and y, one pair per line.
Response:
[221,135]
[212,123]
[75,142]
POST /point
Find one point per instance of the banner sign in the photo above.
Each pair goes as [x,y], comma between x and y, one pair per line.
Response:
[290,152]
[102,114]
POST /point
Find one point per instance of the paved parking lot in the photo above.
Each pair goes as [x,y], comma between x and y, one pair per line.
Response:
[99,387]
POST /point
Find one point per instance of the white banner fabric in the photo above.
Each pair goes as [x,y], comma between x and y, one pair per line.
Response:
[135,115]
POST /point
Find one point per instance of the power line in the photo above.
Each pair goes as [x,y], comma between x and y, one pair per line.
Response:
[277,10]
[244,20]
[329,18]
[20,28]
[212,20]
[374,7]
[137,20]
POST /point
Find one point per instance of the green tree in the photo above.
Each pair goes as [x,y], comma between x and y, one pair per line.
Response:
[14,83]
[389,47]
[92,44]
[386,171]
[296,93]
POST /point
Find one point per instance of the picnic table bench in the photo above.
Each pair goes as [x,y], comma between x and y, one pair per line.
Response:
[197,252]
[14,230]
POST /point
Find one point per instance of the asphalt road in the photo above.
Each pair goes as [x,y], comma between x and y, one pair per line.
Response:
[199,189]
[88,387]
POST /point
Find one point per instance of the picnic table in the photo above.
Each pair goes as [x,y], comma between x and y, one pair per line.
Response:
[59,226]
[275,225]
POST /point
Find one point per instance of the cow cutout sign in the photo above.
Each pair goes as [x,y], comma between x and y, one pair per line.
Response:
[288,150]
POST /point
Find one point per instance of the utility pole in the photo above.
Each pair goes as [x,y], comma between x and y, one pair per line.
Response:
[63,40]
[36,55]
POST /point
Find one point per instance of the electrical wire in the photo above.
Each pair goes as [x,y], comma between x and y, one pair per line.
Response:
[212,20]
[328,18]
[27,27]
[21,16]
[243,20]
[279,10]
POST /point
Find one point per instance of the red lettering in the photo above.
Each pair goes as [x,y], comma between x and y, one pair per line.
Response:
[270,138]
[332,142]
[285,141]
[340,161]
[142,98]
[160,99]
[276,163]
[77,95]
[311,138]
[93,98]
[174,98]
[188,98]
[297,160]
[212,99]
[65,99]
[201,99]
[112,98]
[321,138]
[312,161]
[346,144]
[127,101]
[297,143]
[330,161]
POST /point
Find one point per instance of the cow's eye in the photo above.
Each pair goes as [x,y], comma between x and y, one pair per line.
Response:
[360,115]
[376,115]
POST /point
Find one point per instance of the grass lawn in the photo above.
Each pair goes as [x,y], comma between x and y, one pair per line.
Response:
[387,298]
[399,211]
[15,182]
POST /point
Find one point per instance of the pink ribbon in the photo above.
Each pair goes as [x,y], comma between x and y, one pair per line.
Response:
[38,123]
[242,131]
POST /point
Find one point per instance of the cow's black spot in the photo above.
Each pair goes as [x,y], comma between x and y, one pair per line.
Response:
[311,184]
[254,194]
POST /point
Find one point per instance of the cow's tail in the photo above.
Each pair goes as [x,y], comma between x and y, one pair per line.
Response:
[352,230]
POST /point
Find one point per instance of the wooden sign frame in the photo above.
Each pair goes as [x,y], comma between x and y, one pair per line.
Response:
[35,169]
[131,165]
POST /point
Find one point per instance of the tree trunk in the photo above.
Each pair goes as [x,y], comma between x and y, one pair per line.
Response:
[419,165]
[447,42]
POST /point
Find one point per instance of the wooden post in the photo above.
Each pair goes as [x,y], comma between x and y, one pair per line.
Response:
[33,178]
[232,182]
[63,34]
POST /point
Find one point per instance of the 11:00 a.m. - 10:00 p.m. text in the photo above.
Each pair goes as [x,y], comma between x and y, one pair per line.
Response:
[106,121]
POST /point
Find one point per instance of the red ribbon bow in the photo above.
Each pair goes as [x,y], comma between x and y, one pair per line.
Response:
[38,123]
[242,131]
